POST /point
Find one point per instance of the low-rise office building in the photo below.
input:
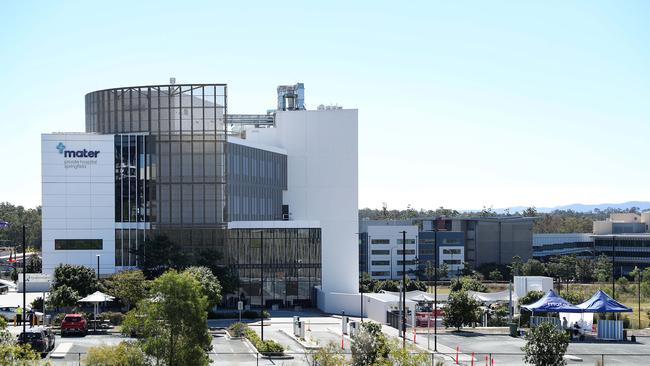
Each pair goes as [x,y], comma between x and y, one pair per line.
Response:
[550,245]
[472,240]
[625,238]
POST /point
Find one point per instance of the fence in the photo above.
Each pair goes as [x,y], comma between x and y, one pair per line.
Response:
[448,359]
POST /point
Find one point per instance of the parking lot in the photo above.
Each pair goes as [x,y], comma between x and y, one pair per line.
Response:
[321,330]
[506,350]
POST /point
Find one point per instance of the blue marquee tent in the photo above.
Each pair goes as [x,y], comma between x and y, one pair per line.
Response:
[552,303]
[602,303]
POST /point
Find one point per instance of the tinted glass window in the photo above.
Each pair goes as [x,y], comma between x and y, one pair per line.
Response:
[77,244]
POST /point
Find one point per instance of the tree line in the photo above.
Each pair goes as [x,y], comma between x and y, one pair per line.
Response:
[557,221]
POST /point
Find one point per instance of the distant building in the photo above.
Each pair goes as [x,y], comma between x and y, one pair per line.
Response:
[626,239]
[382,245]
[475,240]
[555,244]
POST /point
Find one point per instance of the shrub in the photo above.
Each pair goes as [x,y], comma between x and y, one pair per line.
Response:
[264,347]
[56,320]
[122,354]
[249,314]
[237,329]
[115,318]
[265,314]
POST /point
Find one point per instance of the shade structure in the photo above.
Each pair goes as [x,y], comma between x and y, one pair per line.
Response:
[552,303]
[97,297]
[600,302]
[491,297]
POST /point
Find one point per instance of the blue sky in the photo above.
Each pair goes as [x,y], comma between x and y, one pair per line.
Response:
[461,104]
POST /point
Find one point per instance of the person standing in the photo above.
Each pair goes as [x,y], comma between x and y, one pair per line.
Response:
[19,315]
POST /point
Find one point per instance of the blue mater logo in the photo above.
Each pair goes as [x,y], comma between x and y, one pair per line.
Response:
[76,154]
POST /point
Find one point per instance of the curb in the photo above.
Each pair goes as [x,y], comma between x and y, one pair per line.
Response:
[303,344]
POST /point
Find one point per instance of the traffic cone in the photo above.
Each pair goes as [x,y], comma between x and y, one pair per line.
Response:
[457,350]
[472,358]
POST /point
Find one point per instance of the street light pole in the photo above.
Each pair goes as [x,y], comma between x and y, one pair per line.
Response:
[262,279]
[24,285]
[98,268]
[404,289]
[613,266]
[435,288]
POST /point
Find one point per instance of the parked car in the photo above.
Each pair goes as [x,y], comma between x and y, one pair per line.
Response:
[39,338]
[74,324]
[8,312]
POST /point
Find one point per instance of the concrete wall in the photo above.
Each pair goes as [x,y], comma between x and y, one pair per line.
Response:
[78,199]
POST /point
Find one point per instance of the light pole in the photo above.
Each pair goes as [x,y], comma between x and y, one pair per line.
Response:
[435,287]
[262,281]
[403,289]
[98,268]
[613,266]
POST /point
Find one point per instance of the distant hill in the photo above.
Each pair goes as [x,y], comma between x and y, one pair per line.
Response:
[579,207]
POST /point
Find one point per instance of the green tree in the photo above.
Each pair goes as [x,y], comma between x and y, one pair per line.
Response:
[399,356]
[227,275]
[12,353]
[530,212]
[369,346]
[16,216]
[516,266]
[209,284]
[173,322]
[622,284]
[603,268]
[387,285]
[584,270]
[461,309]
[329,355]
[121,354]
[128,286]
[528,299]
[443,271]
[545,346]
[467,283]
[63,296]
[496,275]
[366,283]
[158,254]
[533,267]
[79,278]
[34,264]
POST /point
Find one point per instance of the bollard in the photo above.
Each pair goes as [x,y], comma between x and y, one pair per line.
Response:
[342,344]
[472,358]
[457,350]
[493,362]
[487,362]
[414,335]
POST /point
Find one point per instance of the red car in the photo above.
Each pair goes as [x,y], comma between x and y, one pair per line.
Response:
[74,324]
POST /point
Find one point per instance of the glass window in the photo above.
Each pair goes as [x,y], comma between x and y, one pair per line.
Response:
[408,241]
[380,241]
[78,244]
[380,263]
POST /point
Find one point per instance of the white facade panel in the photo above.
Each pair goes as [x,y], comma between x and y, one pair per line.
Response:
[322,158]
[78,198]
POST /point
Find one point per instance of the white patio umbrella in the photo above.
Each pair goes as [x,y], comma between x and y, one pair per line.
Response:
[96,298]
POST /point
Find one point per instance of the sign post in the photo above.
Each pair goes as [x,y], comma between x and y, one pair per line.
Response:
[240,307]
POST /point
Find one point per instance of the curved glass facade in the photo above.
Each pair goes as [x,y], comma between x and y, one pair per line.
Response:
[185,127]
